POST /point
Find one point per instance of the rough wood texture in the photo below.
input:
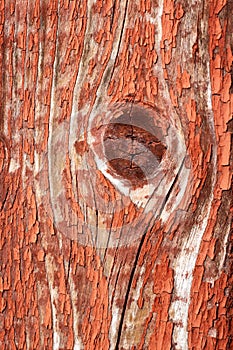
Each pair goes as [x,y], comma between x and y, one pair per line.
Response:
[116,174]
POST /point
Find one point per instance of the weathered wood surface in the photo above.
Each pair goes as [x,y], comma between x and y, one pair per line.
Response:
[116,174]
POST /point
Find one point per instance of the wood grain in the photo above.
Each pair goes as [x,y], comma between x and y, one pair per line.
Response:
[116,174]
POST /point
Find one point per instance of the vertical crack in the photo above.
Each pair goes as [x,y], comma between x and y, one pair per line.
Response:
[135,264]
[121,35]
[129,287]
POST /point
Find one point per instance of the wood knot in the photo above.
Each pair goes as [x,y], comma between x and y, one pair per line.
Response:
[133,151]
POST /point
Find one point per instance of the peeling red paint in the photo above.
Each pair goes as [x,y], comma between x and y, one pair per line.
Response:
[36,260]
